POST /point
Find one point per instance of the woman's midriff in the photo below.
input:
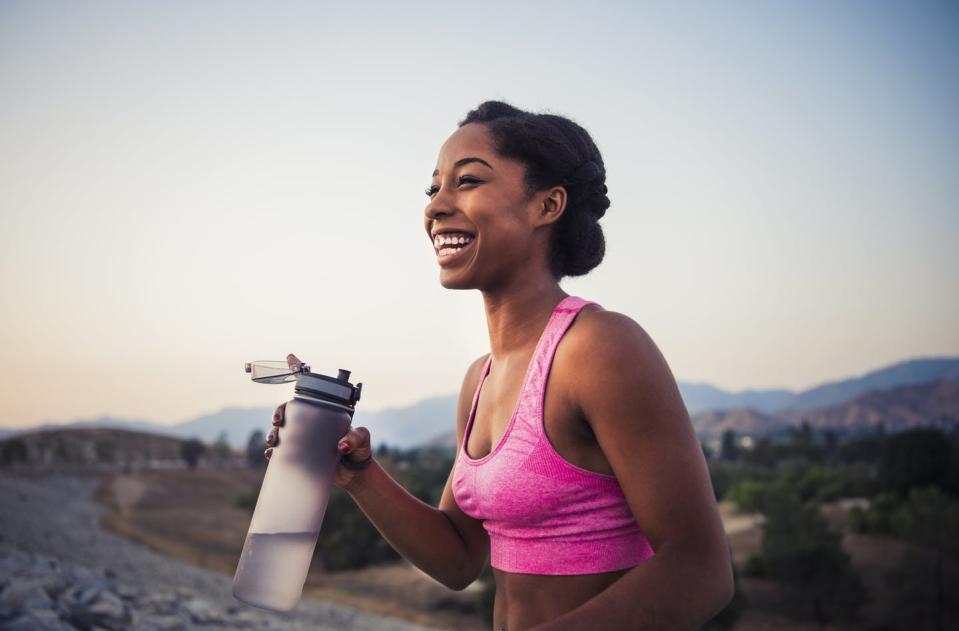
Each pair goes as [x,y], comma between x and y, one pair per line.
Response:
[526,600]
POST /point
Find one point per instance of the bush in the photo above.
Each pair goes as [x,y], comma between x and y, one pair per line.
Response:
[13,451]
[725,476]
[753,496]
[917,457]
[805,557]
[347,538]
[928,517]
[191,450]
[755,567]
[923,593]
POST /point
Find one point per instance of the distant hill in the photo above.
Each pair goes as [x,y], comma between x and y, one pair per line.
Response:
[238,423]
[916,371]
[433,420]
[87,448]
[899,408]
[743,421]
[701,397]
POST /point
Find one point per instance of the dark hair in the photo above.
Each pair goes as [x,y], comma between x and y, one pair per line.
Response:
[556,152]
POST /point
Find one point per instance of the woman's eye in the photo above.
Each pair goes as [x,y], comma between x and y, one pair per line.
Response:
[463,179]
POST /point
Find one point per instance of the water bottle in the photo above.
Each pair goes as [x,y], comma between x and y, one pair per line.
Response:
[296,487]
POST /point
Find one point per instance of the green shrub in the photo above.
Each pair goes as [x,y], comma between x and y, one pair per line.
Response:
[804,555]
[755,566]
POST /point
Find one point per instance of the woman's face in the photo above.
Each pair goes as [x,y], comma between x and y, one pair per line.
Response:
[480,220]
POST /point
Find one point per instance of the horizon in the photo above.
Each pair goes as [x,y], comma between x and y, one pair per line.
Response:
[190,188]
[363,410]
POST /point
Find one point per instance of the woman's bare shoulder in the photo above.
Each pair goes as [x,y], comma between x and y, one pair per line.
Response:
[617,348]
[604,330]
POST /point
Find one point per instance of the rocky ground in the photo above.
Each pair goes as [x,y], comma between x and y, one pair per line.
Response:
[60,571]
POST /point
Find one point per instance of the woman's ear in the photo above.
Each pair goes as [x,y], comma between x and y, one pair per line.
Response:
[552,206]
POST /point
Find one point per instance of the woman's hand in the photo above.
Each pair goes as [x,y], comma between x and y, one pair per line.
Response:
[354,444]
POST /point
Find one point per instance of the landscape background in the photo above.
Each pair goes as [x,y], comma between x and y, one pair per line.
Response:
[189,187]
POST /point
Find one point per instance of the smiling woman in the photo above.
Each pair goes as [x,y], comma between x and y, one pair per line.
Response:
[578,476]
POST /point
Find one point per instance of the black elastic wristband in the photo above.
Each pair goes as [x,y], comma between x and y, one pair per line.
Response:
[355,466]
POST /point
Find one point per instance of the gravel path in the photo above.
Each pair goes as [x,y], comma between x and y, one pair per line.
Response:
[60,570]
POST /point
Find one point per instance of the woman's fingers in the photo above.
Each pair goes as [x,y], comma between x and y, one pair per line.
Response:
[273,437]
[353,440]
[268,452]
[279,415]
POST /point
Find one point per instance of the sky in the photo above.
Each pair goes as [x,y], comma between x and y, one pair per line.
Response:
[186,187]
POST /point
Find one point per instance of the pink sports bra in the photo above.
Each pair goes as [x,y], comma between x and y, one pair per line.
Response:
[545,515]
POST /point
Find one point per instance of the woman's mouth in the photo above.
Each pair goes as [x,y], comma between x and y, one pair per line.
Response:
[452,246]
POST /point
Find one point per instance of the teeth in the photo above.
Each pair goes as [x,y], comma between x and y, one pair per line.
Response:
[452,239]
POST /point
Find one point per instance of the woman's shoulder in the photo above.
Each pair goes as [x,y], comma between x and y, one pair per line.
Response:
[627,367]
[605,331]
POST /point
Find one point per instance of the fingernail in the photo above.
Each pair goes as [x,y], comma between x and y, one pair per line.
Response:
[344,447]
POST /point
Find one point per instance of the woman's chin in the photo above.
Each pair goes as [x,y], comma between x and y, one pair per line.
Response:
[449,279]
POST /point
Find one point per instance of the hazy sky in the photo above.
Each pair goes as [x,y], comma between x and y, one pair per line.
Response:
[186,186]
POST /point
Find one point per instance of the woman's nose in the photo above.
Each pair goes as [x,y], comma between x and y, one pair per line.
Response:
[438,206]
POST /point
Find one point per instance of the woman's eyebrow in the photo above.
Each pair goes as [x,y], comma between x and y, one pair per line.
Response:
[463,161]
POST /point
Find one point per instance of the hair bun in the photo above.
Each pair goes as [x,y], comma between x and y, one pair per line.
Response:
[584,174]
[589,181]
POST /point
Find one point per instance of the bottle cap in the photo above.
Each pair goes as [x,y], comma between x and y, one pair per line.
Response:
[335,389]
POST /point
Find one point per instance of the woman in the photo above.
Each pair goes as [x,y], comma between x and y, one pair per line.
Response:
[590,497]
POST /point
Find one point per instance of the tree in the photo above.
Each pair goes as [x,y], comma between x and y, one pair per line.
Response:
[221,448]
[729,450]
[916,457]
[191,450]
[801,442]
[805,557]
[764,453]
[831,442]
[348,540]
[14,451]
[924,592]
[255,448]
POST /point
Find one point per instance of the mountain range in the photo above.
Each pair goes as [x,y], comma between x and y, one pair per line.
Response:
[900,395]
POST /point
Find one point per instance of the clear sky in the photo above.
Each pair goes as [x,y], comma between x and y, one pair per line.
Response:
[187,186]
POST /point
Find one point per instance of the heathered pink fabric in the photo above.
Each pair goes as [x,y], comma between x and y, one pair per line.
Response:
[545,515]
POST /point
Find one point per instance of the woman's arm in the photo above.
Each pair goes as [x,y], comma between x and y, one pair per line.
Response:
[445,543]
[640,421]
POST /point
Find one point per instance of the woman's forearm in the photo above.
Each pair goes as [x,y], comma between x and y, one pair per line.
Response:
[667,591]
[419,532]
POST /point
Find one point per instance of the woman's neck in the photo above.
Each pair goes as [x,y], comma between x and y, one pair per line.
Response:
[517,316]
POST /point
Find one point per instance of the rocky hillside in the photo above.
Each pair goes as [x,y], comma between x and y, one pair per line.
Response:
[900,408]
[90,448]
[59,570]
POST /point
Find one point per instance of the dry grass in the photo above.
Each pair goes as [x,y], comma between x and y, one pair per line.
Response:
[189,515]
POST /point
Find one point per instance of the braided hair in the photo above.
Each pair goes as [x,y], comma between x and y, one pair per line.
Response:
[556,152]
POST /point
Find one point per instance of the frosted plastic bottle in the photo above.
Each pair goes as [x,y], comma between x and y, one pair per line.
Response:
[296,487]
